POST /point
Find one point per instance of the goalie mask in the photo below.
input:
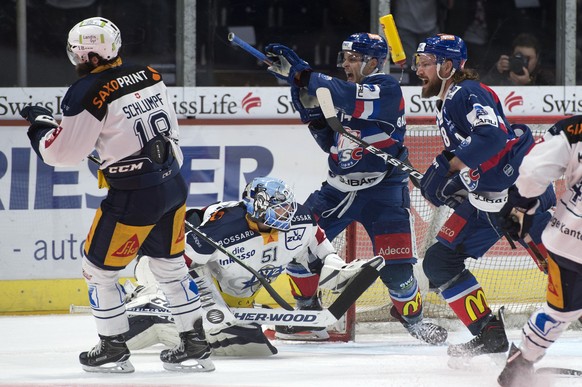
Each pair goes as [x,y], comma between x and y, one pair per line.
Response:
[443,47]
[271,202]
[369,45]
[94,35]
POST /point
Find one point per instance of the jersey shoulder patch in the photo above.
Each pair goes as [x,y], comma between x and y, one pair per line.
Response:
[303,215]
[572,128]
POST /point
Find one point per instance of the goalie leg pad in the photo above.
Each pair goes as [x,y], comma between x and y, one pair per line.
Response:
[241,340]
[336,274]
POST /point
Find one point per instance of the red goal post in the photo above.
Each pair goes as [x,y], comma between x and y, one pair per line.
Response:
[509,277]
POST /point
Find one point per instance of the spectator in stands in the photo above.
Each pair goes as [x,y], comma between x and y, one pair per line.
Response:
[416,21]
[522,68]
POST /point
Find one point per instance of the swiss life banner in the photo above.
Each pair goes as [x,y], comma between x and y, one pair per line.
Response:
[46,212]
[275,102]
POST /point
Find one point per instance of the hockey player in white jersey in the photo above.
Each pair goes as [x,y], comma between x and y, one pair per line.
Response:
[266,230]
[558,153]
[124,112]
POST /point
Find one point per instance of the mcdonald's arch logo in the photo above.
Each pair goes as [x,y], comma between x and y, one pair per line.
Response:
[413,306]
[476,302]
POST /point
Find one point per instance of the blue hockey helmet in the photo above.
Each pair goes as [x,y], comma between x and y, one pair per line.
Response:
[444,47]
[367,44]
[270,201]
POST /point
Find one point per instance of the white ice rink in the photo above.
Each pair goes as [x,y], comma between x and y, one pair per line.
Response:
[44,350]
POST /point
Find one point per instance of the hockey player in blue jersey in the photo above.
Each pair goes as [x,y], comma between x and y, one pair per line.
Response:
[479,163]
[360,186]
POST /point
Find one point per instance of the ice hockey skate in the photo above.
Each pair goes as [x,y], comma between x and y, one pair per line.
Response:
[110,355]
[283,332]
[492,340]
[191,355]
[428,332]
[517,372]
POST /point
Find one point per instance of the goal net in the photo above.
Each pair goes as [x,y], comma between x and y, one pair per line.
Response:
[509,277]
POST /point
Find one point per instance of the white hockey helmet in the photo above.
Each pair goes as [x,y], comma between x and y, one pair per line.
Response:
[270,201]
[97,35]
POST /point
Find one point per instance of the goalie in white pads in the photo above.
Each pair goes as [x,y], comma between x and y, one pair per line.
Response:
[557,154]
[267,230]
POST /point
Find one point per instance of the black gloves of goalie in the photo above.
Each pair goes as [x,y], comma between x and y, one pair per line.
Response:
[515,218]
[41,121]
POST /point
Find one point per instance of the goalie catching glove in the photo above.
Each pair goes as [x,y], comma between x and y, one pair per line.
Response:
[336,274]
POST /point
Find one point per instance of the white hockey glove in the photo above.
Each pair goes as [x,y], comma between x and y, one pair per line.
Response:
[336,274]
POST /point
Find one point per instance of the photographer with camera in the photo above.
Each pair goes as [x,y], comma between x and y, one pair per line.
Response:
[522,68]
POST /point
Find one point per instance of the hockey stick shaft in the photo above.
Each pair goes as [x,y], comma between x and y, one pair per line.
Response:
[328,109]
[248,48]
[272,292]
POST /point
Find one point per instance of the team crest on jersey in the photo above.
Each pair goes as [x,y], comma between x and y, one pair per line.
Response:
[348,152]
[294,237]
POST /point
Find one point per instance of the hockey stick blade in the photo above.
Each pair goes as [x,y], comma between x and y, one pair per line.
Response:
[328,109]
[558,371]
[272,292]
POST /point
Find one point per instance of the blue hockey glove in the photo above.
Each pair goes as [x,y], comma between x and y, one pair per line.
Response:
[286,63]
[305,104]
[516,216]
[438,186]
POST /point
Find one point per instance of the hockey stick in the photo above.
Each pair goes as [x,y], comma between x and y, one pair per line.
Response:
[326,104]
[265,316]
[272,292]
[558,371]
[235,40]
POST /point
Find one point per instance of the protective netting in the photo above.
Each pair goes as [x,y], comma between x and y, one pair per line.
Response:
[508,276]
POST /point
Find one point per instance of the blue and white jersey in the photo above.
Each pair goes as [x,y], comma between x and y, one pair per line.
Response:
[373,111]
[114,110]
[473,126]
[266,252]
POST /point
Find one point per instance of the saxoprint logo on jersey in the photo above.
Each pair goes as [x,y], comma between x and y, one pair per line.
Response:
[119,83]
[293,238]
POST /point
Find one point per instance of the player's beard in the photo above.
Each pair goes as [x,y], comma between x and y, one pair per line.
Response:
[432,88]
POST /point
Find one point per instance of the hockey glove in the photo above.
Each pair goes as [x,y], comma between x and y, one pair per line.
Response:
[305,104]
[515,218]
[286,63]
[438,186]
[38,116]
[41,121]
